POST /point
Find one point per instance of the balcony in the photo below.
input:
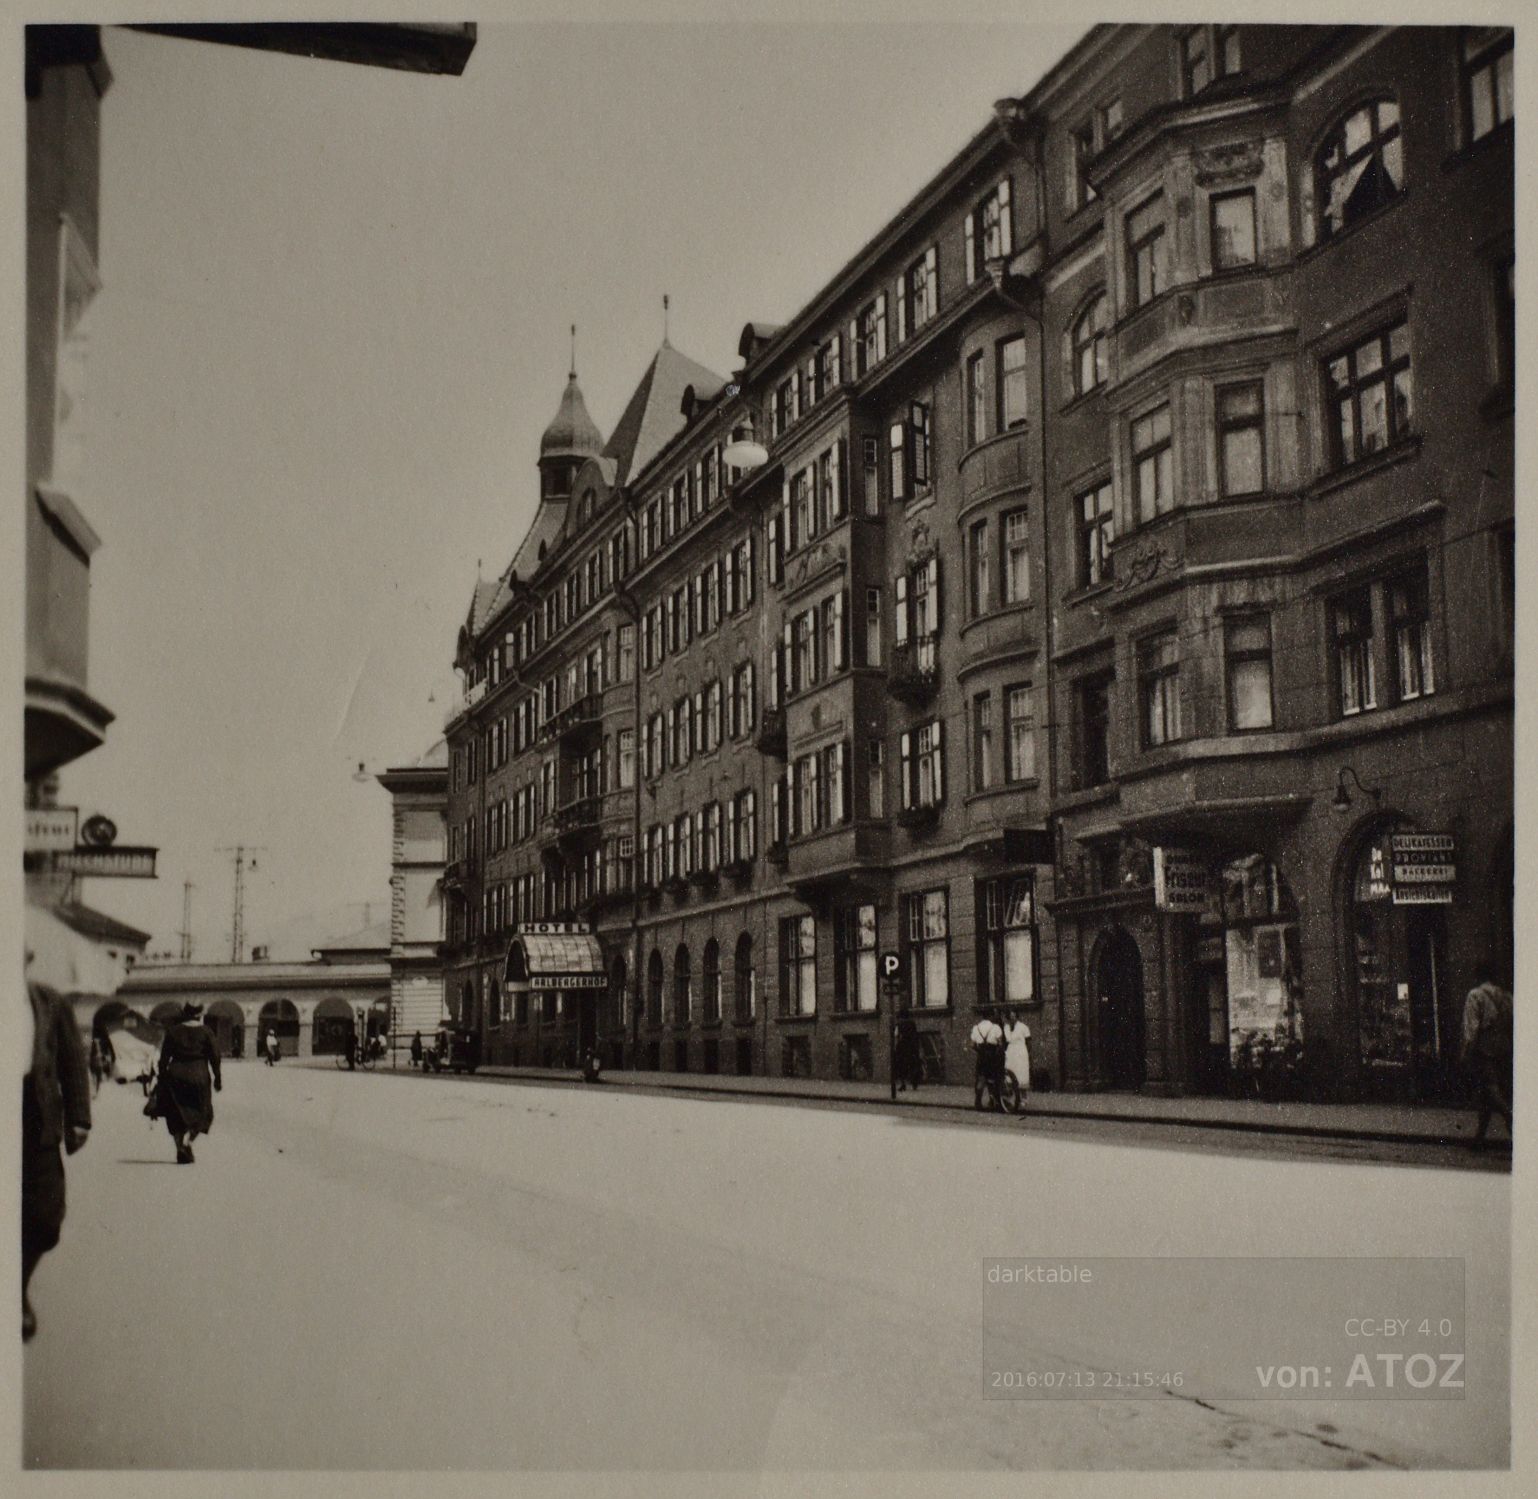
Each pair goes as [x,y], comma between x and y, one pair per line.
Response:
[574,719]
[577,822]
[998,465]
[770,739]
[704,879]
[849,857]
[467,700]
[915,675]
[920,819]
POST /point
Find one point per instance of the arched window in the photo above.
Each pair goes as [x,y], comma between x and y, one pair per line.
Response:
[682,985]
[712,980]
[744,977]
[1360,166]
[1089,352]
[654,988]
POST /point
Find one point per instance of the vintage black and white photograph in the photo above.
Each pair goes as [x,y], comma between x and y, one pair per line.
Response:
[770,749]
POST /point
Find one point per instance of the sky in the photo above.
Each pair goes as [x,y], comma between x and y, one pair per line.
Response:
[333,325]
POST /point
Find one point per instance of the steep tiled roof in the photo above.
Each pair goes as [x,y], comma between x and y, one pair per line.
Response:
[573,432]
[482,601]
[654,416]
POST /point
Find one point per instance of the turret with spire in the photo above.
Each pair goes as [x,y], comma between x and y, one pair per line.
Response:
[569,440]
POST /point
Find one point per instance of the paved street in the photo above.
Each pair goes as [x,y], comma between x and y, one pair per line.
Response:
[376,1271]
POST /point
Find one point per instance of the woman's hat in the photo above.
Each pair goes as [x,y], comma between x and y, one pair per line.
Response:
[192,1011]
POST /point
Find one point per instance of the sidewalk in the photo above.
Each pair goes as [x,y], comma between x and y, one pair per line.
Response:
[1384,1122]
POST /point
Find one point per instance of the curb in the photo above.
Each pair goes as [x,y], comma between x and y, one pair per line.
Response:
[1259,1126]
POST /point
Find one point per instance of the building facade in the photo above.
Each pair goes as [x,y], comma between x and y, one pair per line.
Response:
[1113,621]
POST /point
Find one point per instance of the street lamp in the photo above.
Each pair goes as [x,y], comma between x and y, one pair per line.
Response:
[745,451]
[1341,801]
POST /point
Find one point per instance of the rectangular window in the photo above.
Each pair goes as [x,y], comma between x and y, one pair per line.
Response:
[1012,386]
[1006,948]
[918,426]
[920,294]
[873,627]
[1370,394]
[1351,626]
[870,471]
[979,601]
[1097,529]
[928,949]
[1020,725]
[854,958]
[1017,557]
[1241,439]
[798,965]
[1081,145]
[1247,652]
[977,401]
[1487,78]
[1195,60]
[875,778]
[1409,611]
[1094,723]
[626,758]
[1146,273]
[897,461]
[1152,465]
[982,741]
[1233,229]
[1158,668]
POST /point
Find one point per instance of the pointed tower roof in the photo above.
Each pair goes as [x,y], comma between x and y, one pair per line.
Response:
[573,433]
[653,415]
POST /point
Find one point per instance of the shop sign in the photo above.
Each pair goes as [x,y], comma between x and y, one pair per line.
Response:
[50,829]
[1182,882]
[568,981]
[553,929]
[1424,868]
[108,863]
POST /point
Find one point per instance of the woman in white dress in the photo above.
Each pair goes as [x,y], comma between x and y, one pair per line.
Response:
[1017,1051]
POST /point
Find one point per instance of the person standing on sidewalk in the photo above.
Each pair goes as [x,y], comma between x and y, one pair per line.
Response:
[1487,1048]
[188,1060]
[272,1048]
[988,1050]
[1017,1051]
[55,1111]
[416,1049]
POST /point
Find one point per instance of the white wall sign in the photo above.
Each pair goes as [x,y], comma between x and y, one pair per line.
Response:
[1182,881]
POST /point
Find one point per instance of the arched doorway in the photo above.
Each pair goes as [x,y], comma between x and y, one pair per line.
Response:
[1118,974]
[279,1017]
[1408,1016]
[330,1026]
[228,1023]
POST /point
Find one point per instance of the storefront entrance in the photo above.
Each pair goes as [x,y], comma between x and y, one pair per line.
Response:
[1119,991]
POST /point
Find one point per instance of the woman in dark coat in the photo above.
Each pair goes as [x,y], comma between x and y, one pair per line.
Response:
[907,1063]
[188,1056]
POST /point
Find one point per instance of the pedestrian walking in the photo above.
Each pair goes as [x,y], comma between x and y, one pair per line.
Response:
[416,1049]
[189,1060]
[55,1111]
[1017,1051]
[271,1045]
[907,1061]
[988,1052]
[1487,1049]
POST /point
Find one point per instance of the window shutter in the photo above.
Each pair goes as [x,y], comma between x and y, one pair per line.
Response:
[699,721]
[792,679]
[747,699]
[747,582]
[900,610]
[970,253]
[699,483]
[809,479]
[902,309]
[931,281]
[1006,218]
[793,790]
[839,651]
[838,479]
[670,739]
[906,765]
[933,569]
[939,760]
[774,549]
[795,395]
[811,382]
[880,326]
[841,760]
[838,359]
[855,353]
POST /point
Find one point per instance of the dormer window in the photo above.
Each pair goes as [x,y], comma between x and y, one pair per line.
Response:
[1207,53]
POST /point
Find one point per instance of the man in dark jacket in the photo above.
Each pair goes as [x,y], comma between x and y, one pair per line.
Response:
[55,1111]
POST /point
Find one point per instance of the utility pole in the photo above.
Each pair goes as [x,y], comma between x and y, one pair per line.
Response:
[186,932]
[238,934]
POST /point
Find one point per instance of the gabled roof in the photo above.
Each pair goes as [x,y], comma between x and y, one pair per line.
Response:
[96,924]
[654,414]
[483,602]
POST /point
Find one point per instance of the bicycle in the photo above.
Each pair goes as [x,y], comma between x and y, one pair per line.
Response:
[357,1056]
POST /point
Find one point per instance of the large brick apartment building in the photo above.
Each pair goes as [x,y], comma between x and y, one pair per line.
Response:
[1116,619]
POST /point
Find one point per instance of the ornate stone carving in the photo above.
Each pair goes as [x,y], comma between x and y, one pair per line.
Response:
[1135,567]
[1238,161]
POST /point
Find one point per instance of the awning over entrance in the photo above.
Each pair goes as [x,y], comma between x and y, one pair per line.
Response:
[555,960]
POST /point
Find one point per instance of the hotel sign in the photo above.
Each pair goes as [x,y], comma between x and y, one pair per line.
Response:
[1182,881]
[122,862]
[553,929]
[51,829]
[1424,868]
